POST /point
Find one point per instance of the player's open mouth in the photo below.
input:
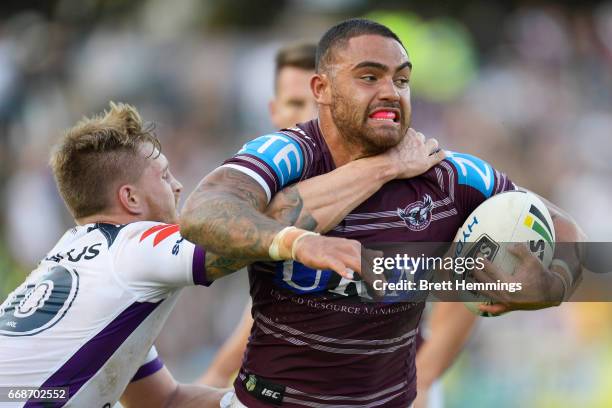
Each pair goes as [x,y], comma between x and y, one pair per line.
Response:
[385,115]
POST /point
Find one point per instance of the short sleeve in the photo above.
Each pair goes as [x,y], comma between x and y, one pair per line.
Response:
[155,255]
[475,180]
[273,161]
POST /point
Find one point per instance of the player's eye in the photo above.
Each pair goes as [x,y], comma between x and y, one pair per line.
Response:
[296,104]
[401,82]
[368,78]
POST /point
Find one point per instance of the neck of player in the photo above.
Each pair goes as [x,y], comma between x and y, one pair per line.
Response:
[341,149]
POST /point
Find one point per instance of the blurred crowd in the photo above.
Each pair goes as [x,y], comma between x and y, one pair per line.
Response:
[528,88]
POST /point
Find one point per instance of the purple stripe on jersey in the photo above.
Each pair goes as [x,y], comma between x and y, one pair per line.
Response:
[148,369]
[90,358]
[199,267]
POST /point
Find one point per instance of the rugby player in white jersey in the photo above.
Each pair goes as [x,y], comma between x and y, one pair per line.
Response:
[86,318]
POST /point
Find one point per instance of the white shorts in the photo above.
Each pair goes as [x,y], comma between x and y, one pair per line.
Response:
[230,400]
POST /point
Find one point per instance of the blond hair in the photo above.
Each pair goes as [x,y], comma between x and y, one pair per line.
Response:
[97,155]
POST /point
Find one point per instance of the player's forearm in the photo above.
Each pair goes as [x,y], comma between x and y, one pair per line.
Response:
[196,396]
[320,203]
[160,390]
[450,328]
[568,257]
[228,221]
[568,250]
[225,365]
[224,215]
[229,357]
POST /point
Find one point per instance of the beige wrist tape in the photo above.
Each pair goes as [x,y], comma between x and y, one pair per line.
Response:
[298,239]
[284,243]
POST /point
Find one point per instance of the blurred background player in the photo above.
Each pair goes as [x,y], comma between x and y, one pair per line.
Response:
[311,342]
[450,324]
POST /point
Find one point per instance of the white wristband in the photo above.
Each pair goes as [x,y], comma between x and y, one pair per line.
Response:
[298,239]
[275,247]
[280,250]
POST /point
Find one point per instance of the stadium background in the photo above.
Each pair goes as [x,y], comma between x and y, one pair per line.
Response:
[526,85]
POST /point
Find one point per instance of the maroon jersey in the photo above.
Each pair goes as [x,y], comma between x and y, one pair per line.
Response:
[314,342]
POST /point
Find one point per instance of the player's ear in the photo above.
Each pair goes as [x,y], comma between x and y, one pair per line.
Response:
[319,85]
[273,109]
[130,199]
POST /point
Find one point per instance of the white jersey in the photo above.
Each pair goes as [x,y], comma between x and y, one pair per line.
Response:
[87,317]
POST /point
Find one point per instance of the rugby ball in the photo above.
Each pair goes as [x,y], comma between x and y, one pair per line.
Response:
[502,220]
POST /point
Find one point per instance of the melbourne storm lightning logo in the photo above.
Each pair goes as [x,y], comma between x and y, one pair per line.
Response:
[417,215]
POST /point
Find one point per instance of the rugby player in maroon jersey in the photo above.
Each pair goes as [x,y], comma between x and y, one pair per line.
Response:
[312,343]
[449,323]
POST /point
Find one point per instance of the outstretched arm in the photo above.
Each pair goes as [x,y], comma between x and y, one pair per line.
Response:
[160,390]
[227,212]
[226,215]
[296,205]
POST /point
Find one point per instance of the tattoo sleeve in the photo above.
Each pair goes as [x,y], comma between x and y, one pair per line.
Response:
[227,212]
[218,266]
[287,208]
[225,215]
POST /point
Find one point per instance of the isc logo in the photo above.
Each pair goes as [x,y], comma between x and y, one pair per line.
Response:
[270,393]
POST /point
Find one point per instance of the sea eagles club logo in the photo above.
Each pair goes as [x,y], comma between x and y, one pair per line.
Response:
[417,215]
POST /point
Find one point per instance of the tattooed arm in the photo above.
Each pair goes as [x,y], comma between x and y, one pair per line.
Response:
[230,223]
[227,212]
[224,214]
[329,198]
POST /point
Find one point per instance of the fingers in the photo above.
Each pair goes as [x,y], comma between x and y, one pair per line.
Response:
[520,251]
[352,255]
[416,136]
[353,262]
[494,309]
[490,273]
[343,256]
[420,137]
[432,146]
[339,267]
[436,158]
